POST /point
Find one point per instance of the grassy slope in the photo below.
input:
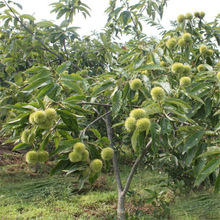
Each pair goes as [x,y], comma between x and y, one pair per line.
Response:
[26,196]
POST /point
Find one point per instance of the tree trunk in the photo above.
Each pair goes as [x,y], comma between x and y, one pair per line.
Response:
[121,207]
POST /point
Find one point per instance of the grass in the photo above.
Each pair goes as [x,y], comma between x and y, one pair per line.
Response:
[25,195]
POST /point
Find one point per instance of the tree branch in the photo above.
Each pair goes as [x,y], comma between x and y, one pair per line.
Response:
[134,168]
[115,164]
[93,122]
[103,104]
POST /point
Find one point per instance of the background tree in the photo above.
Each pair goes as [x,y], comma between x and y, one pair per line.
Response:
[76,97]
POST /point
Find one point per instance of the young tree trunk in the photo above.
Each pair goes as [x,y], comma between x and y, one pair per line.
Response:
[121,207]
[122,191]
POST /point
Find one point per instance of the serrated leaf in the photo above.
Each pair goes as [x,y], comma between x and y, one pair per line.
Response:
[45,142]
[150,67]
[102,88]
[64,146]
[45,24]
[210,167]
[156,58]
[153,108]
[189,128]
[134,142]
[116,102]
[196,98]
[72,85]
[82,182]
[126,56]
[69,119]
[192,140]
[46,90]
[217,112]
[37,84]
[73,169]
[71,77]
[117,124]
[209,153]
[125,91]
[77,108]
[96,133]
[20,146]
[178,102]
[60,69]
[217,185]
[60,166]
[217,127]
[29,17]
[191,155]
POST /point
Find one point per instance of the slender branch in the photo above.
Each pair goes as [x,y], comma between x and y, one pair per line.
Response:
[103,104]
[93,122]
[134,168]
[115,164]
[92,103]
[94,109]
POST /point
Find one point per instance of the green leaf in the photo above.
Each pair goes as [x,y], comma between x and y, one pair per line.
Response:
[69,119]
[126,56]
[60,69]
[153,108]
[46,90]
[151,67]
[166,127]
[43,74]
[210,167]
[189,128]
[102,88]
[60,166]
[196,98]
[125,91]
[217,127]
[191,155]
[20,146]
[217,185]
[116,102]
[77,108]
[82,182]
[45,24]
[178,113]
[210,153]
[125,16]
[192,140]
[29,17]
[37,84]
[217,112]
[45,142]
[96,133]
[154,137]
[72,86]
[178,102]
[134,142]
[117,124]
[156,58]
[74,168]
[71,77]
[64,146]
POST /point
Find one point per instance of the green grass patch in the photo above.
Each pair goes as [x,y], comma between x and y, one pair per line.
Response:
[25,195]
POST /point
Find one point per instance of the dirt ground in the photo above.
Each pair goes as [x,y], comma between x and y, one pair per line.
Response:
[7,156]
